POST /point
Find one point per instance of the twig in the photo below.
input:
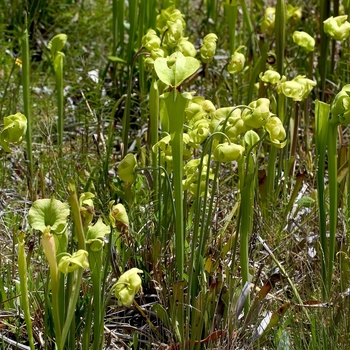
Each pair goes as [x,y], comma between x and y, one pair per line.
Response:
[14,343]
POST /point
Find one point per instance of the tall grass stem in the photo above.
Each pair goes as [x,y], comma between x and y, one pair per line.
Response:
[27,102]
[321,135]
[22,270]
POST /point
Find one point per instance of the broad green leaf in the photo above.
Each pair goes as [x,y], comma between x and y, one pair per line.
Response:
[61,242]
[175,69]
[48,212]
[85,198]
[98,231]
[165,74]
[57,43]
[251,138]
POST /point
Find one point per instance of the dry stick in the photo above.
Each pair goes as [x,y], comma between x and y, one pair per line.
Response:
[14,343]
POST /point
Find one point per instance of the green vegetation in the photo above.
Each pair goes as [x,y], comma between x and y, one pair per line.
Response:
[184,183]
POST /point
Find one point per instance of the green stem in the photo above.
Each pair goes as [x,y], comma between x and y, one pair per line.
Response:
[49,247]
[74,294]
[77,277]
[247,177]
[95,262]
[115,26]
[56,305]
[68,286]
[110,141]
[154,120]
[307,106]
[176,104]
[22,270]
[142,27]
[294,139]
[134,7]
[321,134]
[333,198]
[127,110]
[322,61]
[55,310]
[252,79]
[280,33]
[231,15]
[126,116]
[249,25]
[26,100]
[60,99]
[271,166]
[201,226]
[78,224]
[85,344]
[6,88]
